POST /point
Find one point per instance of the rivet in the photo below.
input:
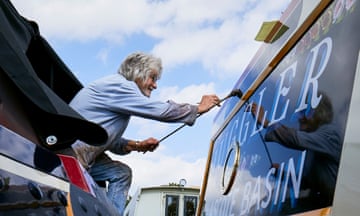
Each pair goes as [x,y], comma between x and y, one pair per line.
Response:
[51,140]
[35,190]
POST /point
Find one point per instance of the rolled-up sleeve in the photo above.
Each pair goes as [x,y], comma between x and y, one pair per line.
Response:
[127,99]
[119,147]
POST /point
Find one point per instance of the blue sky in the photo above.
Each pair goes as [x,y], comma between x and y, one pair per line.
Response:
[204,46]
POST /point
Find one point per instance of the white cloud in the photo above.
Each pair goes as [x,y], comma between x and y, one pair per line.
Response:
[217,33]
[103,55]
[141,128]
[144,128]
[86,19]
[221,41]
[190,94]
[149,168]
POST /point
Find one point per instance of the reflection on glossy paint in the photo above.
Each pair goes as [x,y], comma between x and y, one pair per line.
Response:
[272,191]
[295,87]
[257,193]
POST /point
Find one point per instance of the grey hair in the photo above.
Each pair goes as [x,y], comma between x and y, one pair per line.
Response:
[324,111]
[139,65]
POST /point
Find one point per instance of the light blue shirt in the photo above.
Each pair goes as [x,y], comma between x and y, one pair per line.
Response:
[110,102]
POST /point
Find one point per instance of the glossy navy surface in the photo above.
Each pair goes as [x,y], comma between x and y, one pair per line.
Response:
[272,176]
[31,178]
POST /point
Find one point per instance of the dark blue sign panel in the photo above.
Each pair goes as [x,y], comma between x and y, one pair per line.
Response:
[280,153]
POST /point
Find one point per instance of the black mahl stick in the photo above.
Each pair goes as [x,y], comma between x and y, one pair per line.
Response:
[235,92]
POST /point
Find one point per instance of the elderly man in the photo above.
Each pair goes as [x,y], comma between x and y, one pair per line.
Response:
[110,102]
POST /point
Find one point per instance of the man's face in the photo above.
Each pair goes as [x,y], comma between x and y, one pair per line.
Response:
[149,84]
[306,121]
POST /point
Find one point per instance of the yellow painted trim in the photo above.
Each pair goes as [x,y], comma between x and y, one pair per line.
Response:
[69,211]
[318,212]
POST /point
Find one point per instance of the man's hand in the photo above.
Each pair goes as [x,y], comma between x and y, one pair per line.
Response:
[207,102]
[149,144]
[259,111]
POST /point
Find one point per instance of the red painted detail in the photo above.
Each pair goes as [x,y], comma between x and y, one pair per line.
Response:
[75,172]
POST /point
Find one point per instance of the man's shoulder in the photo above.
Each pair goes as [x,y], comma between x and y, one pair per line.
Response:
[114,83]
[110,77]
[110,80]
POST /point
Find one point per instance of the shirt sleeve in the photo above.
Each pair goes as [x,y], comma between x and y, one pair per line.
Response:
[119,148]
[126,98]
[325,139]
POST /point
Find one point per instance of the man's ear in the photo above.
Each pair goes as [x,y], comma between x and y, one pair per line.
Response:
[138,81]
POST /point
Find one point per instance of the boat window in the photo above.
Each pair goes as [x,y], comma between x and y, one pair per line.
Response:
[190,203]
[172,205]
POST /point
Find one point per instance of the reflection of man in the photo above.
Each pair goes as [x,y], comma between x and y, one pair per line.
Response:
[322,141]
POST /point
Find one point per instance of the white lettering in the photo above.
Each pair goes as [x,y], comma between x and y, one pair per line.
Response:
[268,187]
[245,204]
[291,172]
[278,184]
[244,127]
[256,128]
[282,91]
[325,46]
[255,198]
[259,194]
